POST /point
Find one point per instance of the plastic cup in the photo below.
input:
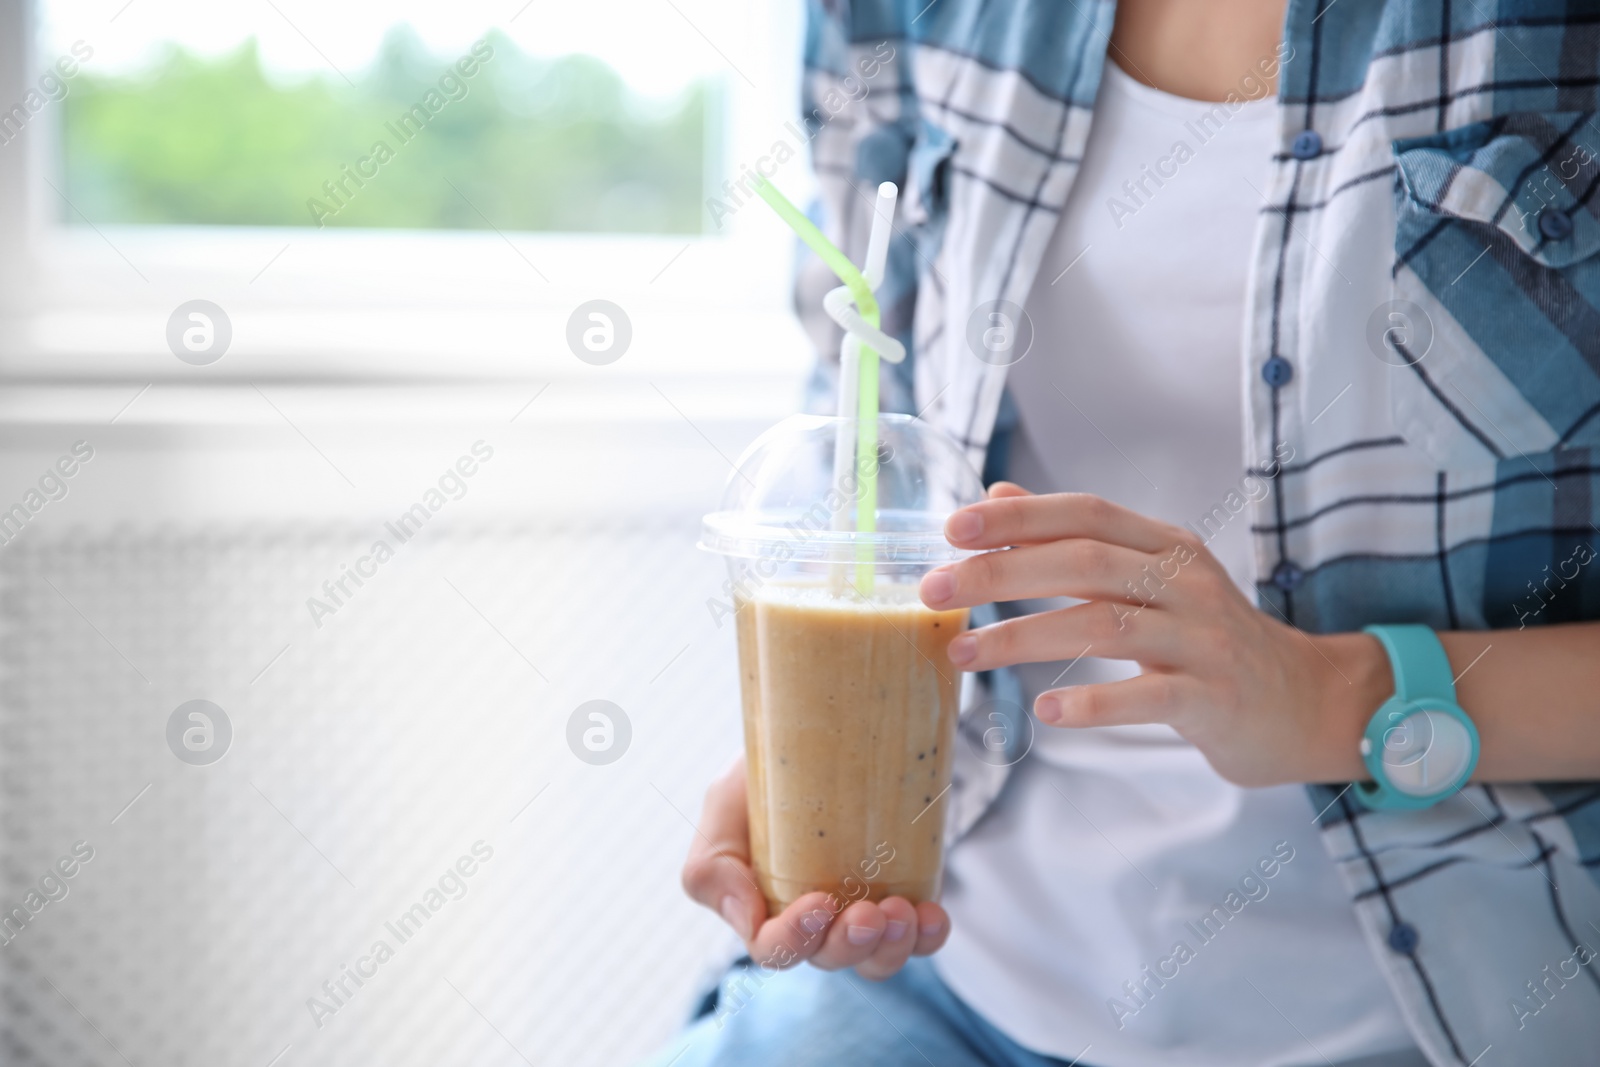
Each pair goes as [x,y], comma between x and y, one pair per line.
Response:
[849,699]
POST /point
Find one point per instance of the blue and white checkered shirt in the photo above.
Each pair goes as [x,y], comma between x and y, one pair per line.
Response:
[1422,338]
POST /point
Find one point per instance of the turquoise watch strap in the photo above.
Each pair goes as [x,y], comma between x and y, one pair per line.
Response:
[1421,669]
[1419,747]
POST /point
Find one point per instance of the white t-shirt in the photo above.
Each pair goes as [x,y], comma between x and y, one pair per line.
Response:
[1111,847]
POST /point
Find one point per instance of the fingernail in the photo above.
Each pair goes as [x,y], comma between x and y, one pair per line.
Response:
[1047,710]
[894,930]
[962,649]
[736,915]
[814,922]
[861,935]
[963,526]
[938,586]
[930,929]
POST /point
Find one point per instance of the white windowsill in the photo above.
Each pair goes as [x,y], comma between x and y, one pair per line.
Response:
[349,305]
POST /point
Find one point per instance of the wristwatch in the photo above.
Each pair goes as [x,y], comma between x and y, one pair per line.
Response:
[1420,747]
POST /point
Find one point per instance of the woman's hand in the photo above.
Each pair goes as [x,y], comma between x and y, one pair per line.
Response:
[875,939]
[1266,703]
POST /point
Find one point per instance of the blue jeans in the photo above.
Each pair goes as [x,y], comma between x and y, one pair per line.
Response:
[809,1018]
[804,1017]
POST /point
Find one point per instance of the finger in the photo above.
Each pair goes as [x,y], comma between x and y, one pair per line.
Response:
[852,938]
[1088,570]
[1155,697]
[1021,519]
[894,947]
[1111,629]
[797,934]
[717,872]
[1004,489]
[725,817]
[933,926]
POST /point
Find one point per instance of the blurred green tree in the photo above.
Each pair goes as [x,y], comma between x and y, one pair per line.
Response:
[534,144]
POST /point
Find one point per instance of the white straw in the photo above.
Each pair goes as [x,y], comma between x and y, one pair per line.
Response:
[878,239]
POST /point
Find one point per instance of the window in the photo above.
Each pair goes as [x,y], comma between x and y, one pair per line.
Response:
[380,188]
[436,132]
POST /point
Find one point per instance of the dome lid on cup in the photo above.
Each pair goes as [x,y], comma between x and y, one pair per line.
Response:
[785,500]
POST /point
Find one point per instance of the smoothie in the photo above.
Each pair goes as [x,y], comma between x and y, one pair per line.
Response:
[850,711]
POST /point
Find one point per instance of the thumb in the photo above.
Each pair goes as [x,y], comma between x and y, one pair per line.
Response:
[717,873]
[723,881]
[741,906]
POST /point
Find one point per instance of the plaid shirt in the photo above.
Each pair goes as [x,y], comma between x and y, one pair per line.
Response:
[1422,338]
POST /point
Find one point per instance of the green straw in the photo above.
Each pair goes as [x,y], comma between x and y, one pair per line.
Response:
[867,393]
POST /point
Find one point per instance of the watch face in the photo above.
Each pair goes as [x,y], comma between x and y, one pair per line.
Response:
[1424,751]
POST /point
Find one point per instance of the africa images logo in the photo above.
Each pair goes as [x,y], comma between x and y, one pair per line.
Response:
[199,732]
[452,87]
[337,592]
[452,885]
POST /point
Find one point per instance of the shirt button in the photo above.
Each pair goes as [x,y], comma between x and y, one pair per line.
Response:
[1277,371]
[1555,224]
[1306,145]
[1287,575]
[1403,938]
